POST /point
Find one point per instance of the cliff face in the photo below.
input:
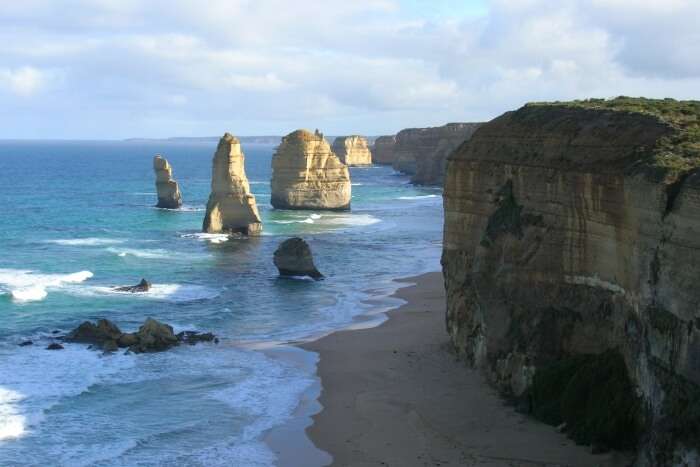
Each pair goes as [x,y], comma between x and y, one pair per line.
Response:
[422,152]
[383,150]
[307,175]
[572,230]
[169,196]
[352,150]
[231,207]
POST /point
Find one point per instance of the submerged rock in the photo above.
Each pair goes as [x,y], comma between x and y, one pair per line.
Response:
[54,346]
[293,258]
[169,196]
[352,150]
[152,336]
[307,175]
[231,207]
[25,343]
[143,286]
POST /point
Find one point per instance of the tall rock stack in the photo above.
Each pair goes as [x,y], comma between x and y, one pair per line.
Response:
[352,150]
[571,262]
[383,150]
[307,175]
[231,207]
[168,191]
[422,152]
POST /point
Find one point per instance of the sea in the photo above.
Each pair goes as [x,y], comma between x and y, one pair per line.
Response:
[77,218]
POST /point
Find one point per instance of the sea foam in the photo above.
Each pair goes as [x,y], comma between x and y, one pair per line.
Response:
[27,285]
[90,241]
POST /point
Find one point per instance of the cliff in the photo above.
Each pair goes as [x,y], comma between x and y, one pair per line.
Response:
[168,191]
[231,207]
[307,175]
[423,152]
[383,150]
[352,150]
[571,256]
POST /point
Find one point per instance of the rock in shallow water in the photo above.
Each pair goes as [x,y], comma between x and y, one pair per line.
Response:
[54,346]
[143,286]
[293,258]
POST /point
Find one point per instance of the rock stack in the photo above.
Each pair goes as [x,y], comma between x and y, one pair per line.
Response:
[352,150]
[169,196]
[293,258]
[231,207]
[383,150]
[307,175]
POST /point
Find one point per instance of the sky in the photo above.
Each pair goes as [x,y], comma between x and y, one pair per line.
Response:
[111,69]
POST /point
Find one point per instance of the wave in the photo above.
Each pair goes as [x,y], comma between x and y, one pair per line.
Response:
[352,219]
[27,285]
[307,220]
[164,292]
[208,237]
[188,208]
[148,254]
[90,241]
[417,197]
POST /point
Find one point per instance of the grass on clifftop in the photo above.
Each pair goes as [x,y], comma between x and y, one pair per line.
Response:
[677,153]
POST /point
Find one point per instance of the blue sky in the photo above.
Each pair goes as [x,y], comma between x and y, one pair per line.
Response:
[134,68]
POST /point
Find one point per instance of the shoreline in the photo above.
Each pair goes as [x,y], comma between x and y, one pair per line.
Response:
[395,394]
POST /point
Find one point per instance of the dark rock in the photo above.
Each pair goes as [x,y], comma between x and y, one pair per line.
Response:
[127,339]
[55,331]
[25,343]
[293,258]
[154,336]
[110,346]
[143,286]
[54,346]
[192,337]
[97,334]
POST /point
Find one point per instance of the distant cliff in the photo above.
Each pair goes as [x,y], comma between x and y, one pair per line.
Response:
[383,150]
[571,262]
[422,152]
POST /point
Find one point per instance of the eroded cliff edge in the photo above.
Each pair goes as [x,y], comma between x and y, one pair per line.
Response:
[571,240]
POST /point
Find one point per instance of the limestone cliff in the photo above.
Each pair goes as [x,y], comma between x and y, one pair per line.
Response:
[168,191]
[383,150]
[307,175]
[231,207]
[422,152]
[571,236]
[352,150]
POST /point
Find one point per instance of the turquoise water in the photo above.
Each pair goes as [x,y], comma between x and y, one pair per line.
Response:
[77,218]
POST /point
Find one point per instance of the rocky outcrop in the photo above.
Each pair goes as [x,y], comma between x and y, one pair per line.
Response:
[293,258]
[152,336]
[307,175]
[383,150]
[142,287]
[571,260]
[231,207]
[352,150]
[168,191]
[422,152]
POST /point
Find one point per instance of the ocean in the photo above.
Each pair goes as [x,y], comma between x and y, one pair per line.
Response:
[77,218]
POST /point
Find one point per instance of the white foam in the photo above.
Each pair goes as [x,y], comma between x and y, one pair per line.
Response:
[188,208]
[164,292]
[307,220]
[417,197]
[27,285]
[352,219]
[148,254]
[315,216]
[209,237]
[90,241]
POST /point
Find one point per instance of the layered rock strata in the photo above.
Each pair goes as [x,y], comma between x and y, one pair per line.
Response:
[383,150]
[306,174]
[571,236]
[352,150]
[293,258]
[231,207]
[168,191]
[422,152]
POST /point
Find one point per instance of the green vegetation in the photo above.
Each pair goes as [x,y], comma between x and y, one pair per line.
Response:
[593,396]
[676,153]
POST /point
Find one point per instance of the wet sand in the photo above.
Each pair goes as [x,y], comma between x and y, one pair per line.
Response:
[396,395]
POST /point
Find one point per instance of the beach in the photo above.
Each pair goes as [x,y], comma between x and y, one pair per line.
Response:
[396,395]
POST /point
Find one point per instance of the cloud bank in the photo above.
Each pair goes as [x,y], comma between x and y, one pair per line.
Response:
[126,68]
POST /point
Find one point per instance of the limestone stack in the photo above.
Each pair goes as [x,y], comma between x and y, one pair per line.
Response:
[168,191]
[231,207]
[572,242]
[293,258]
[306,174]
[352,150]
[422,152]
[383,150]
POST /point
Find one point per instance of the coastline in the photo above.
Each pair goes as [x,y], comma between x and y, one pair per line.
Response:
[395,394]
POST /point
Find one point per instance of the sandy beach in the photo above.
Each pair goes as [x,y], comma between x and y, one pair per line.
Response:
[395,395]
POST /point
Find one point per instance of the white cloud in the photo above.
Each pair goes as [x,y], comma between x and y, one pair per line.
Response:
[168,67]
